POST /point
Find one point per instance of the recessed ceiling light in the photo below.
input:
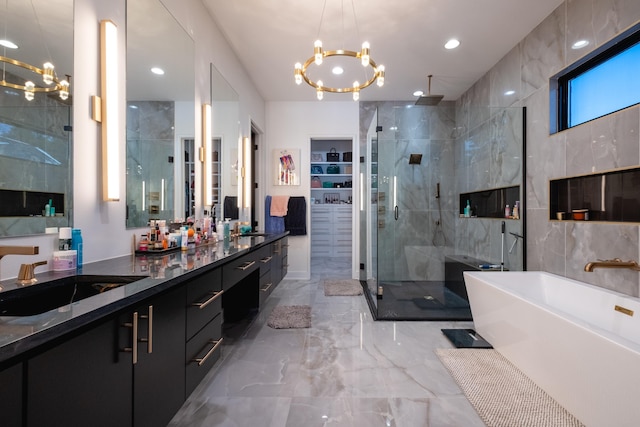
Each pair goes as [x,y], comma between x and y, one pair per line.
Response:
[337,70]
[418,93]
[157,70]
[8,44]
[452,44]
[580,44]
[510,92]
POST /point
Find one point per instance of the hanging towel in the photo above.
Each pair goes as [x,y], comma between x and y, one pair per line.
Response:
[230,207]
[296,220]
[272,224]
[279,205]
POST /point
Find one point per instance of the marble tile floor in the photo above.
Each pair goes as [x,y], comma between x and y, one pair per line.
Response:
[346,370]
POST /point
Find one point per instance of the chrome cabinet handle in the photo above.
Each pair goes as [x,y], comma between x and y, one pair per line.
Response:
[267,287]
[396,212]
[148,340]
[203,304]
[266,260]
[201,361]
[246,265]
[134,340]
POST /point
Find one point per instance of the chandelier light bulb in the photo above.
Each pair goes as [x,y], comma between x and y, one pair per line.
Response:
[29,92]
[317,52]
[298,73]
[64,90]
[356,91]
[380,72]
[364,54]
[319,91]
[47,76]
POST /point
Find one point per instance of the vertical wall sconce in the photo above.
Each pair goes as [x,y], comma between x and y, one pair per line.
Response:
[205,156]
[246,172]
[105,110]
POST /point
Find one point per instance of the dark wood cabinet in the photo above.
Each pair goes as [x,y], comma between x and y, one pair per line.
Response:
[204,326]
[92,379]
[136,367]
[85,381]
[158,375]
[11,396]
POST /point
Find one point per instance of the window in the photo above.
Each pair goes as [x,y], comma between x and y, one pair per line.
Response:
[601,83]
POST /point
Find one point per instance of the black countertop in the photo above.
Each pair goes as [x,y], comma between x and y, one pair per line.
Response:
[23,335]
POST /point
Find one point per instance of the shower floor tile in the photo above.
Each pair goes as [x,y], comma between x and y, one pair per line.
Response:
[421,300]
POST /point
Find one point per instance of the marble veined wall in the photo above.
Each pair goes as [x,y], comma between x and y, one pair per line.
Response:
[603,144]
[413,247]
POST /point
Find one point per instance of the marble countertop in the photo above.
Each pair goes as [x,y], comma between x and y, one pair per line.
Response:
[21,335]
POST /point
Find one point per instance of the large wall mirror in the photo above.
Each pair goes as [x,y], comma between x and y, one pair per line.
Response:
[35,126]
[225,136]
[160,113]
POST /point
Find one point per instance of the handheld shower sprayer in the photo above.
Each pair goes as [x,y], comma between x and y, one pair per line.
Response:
[437,190]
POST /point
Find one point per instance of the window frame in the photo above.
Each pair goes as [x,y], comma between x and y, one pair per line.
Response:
[559,83]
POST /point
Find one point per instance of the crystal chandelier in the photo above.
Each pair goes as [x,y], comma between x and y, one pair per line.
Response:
[319,54]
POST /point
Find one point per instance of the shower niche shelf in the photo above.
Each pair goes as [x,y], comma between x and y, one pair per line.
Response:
[490,203]
[608,196]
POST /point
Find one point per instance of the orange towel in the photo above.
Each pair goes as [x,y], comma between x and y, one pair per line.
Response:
[279,205]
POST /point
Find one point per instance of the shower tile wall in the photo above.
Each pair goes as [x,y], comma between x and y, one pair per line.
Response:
[607,143]
[414,247]
[150,142]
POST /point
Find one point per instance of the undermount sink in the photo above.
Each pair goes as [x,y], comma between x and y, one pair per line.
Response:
[45,296]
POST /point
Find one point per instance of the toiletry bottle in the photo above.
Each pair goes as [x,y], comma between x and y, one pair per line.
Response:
[47,211]
[516,210]
[227,230]
[76,245]
[467,210]
[507,211]
[184,238]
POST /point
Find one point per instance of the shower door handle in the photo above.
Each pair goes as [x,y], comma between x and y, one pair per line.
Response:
[395,212]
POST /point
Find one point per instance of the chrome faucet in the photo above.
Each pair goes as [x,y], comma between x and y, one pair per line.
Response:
[611,263]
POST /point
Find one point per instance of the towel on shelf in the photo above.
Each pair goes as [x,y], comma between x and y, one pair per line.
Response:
[279,205]
[272,224]
[296,220]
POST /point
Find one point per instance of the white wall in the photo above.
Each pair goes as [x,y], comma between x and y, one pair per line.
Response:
[292,125]
[102,223]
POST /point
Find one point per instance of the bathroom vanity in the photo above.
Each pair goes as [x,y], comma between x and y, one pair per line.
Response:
[131,354]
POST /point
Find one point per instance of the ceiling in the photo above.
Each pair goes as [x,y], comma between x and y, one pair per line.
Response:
[406,36]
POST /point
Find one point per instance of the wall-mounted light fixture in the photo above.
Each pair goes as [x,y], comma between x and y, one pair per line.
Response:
[205,156]
[105,110]
[246,172]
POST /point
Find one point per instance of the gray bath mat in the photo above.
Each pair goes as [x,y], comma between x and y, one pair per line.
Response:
[342,287]
[502,395]
[290,317]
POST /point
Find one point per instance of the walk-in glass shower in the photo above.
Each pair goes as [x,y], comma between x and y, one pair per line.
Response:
[416,162]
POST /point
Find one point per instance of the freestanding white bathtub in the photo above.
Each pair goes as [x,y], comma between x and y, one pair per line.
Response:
[580,343]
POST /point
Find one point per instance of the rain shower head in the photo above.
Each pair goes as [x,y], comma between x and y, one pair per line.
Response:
[429,99]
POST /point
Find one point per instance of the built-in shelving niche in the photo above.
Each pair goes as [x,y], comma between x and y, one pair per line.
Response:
[490,203]
[607,196]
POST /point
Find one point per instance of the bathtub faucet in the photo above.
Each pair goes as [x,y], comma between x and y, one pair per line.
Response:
[612,263]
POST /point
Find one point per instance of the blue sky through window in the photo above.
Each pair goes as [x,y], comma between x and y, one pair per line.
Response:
[608,87]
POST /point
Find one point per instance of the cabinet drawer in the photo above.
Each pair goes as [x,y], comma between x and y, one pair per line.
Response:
[321,240]
[204,300]
[265,257]
[238,269]
[202,352]
[321,228]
